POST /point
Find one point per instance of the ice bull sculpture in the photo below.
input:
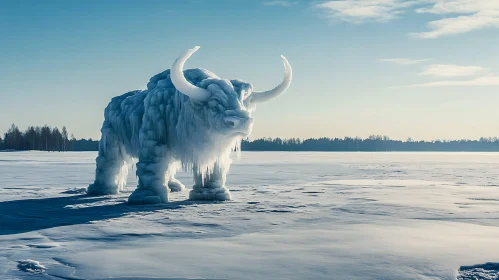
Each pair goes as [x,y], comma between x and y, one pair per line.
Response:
[188,119]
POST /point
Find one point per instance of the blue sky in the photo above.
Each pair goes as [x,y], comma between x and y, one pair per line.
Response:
[424,69]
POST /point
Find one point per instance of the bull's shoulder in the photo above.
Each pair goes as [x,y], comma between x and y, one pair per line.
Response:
[120,98]
[163,76]
[117,100]
[124,102]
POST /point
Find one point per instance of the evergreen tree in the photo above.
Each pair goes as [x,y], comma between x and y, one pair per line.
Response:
[64,138]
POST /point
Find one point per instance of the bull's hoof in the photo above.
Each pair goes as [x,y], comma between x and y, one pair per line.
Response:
[212,194]
[176,186]
[95,189]
[145,196]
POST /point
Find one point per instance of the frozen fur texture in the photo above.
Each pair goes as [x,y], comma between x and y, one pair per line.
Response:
[167,130]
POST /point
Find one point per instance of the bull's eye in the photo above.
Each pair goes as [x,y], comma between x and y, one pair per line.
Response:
[231,122]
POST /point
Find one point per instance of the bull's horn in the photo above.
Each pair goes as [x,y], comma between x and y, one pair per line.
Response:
[278,90]
[181,84]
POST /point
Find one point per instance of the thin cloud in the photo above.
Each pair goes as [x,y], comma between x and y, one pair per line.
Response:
[450,70]
[484,76]
[481,81]
[462,16]
[278,3]
[458,16]
[403,61]
[359,11]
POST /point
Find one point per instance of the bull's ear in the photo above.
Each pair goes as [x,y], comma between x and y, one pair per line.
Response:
[246,90]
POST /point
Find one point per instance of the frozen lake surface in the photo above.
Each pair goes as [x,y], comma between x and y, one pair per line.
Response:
[294,216]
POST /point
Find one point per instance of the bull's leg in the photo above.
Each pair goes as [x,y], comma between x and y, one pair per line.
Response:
[152,187]
[212,186]
[175,185]
[112,169]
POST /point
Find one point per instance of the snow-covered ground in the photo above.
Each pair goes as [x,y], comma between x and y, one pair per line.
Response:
[294,216]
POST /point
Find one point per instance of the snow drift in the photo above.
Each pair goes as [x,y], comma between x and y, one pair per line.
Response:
[188,119]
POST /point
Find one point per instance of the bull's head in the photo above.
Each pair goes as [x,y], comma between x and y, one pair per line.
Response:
[230,103]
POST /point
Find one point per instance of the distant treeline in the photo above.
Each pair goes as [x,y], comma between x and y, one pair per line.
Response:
[374,143]
[46,138]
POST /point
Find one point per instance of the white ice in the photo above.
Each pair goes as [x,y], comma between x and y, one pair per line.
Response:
[191,119]
[293,216]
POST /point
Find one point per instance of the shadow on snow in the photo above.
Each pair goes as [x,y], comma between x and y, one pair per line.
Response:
[20,216]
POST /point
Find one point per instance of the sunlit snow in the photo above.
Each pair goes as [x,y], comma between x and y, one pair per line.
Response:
[293,216]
